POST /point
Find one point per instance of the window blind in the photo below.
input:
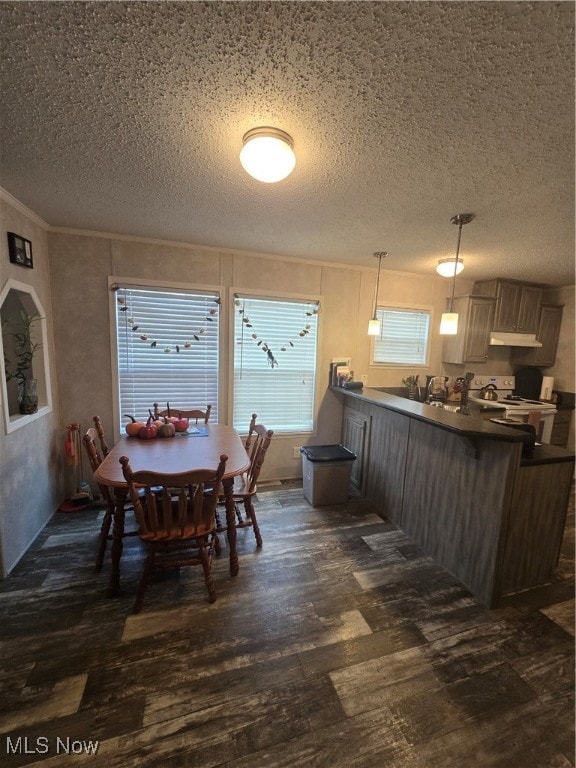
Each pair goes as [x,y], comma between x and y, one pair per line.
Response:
[403,337]
[167,343]
[275,347]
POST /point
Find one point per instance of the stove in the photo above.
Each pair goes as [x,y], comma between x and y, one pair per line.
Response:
[522,402]
[510,406]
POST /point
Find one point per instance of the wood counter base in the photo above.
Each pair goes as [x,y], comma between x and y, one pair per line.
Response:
[492,519]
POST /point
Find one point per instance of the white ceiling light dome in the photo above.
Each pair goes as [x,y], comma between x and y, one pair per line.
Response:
[268,154]
[445,267]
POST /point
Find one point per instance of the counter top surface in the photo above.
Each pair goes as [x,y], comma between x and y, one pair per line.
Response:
[546,454]
[471,427]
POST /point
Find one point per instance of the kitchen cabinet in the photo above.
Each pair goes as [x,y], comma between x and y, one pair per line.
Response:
[517,304]
[547,334]
[384,445]
[475,322]
[561,428]
[355,434]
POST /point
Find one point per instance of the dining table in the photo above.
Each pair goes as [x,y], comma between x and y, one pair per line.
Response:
[198,448]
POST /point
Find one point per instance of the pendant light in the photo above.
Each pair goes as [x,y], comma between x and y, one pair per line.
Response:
[449,320]
[267,154]
[374,324]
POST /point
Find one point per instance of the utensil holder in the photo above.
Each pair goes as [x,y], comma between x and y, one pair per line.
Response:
[413,392]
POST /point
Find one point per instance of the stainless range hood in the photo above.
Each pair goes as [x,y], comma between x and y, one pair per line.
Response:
[501,339]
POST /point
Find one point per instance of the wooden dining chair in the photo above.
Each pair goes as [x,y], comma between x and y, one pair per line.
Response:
[95,459]
[178,524]
[245,486]
[195,414]
[100,432]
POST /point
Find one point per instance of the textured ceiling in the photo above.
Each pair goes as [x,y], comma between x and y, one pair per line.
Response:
[128,118]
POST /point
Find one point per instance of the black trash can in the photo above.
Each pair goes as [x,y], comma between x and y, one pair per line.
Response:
[326,471]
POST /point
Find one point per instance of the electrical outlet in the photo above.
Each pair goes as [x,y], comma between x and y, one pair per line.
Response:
[296,453]
[365,378]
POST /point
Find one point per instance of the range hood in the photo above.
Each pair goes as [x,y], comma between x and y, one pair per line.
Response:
[501,339]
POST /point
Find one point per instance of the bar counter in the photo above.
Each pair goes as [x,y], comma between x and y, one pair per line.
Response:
[460,487]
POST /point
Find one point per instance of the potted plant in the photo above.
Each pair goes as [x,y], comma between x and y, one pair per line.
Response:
[19,365]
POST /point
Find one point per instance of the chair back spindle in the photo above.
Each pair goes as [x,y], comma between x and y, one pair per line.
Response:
[100,432]
[195,414]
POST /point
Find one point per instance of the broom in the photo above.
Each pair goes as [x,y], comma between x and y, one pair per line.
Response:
[82,497]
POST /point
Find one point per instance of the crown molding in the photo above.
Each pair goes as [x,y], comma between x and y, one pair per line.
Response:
[231,251]
[178,244]
[15,203]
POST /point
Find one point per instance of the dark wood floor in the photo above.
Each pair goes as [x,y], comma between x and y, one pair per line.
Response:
[338,644]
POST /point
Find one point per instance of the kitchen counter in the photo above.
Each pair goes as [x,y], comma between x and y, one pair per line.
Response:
[472,427]
[546,454]
[460,488]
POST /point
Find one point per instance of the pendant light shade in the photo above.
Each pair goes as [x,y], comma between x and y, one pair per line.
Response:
[268,154]
[374,323]
[449,320]
[373,327]
[449,324]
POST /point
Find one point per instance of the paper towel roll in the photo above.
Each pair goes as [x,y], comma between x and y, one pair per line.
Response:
[547,387]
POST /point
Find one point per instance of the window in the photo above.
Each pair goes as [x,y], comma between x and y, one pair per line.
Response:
[275,343]
[403,338]
[167,343]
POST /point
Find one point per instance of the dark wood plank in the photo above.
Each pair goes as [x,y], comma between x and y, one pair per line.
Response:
[338,643]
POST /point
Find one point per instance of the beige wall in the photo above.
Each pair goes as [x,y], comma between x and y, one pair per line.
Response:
[82,264]
[31,458]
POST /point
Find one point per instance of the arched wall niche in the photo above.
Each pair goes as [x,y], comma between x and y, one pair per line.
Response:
[15,298]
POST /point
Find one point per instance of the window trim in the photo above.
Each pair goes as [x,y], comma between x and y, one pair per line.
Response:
[41,369]
[130,282]
[278,296]
[407,308]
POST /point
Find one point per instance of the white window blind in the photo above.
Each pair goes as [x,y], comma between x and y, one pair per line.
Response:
[275,345]
[167,349]
[403,338]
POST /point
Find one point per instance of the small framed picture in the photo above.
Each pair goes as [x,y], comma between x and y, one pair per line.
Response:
[20,250]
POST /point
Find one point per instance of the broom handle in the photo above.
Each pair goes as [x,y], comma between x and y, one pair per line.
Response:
[80,454]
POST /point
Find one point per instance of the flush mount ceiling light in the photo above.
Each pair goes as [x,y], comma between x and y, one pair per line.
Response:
[374,323]
[268,154]
[445,267]
[449,320]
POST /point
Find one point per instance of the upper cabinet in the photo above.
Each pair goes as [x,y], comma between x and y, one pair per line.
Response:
[517,304]
[547,334]
[475,321]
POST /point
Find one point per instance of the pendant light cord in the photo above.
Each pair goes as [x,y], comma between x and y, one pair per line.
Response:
[460,222]
[377,287]
[381,255]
